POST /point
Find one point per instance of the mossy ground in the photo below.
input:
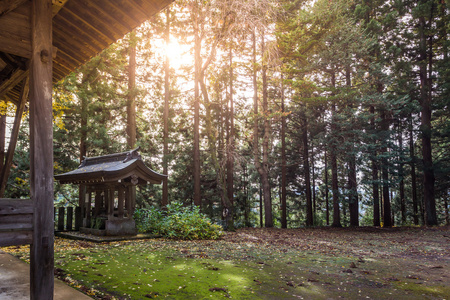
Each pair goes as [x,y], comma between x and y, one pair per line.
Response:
[264,264]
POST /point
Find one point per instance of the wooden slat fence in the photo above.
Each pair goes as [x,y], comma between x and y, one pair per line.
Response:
[16,222]
[67,218]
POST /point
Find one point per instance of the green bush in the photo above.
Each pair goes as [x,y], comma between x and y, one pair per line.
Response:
[178,222]
[148,220]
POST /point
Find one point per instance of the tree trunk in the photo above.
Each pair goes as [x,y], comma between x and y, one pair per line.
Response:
[425,102]
[447,218]
[374,165]
[131,99]
[262,167]
[14,137]
[313,182]
[246,198]
[309,212]
[335,187]
[83,135]
[196,156]
[333,159]
[327,204]
[165,192]
[227,213]
[230,148]
[400,175]
[353,203]
[268,222]
[387,220]
[353,199]
[261,208]
[413,174]
[83,127]
[283,160]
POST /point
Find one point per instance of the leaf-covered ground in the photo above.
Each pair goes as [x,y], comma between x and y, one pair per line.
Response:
[360,263]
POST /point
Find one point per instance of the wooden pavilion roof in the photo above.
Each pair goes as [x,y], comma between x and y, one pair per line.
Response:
[81,30]
[112,168]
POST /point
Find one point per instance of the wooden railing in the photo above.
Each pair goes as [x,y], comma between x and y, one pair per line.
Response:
[16,222]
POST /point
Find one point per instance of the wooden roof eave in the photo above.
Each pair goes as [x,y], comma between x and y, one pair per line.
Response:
[73,22]
[136,168]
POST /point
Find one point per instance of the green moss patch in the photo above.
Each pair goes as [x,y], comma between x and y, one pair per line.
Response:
[262,264]
[214,270]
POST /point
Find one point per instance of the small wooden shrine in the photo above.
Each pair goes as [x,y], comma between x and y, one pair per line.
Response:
[108,191]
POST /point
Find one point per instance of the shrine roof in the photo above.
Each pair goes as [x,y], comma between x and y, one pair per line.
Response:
[118,167]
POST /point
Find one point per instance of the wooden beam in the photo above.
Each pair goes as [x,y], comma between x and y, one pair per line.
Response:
[15,33]
[9,5]
[57,5]
[16,222]
[14,137]
[17,76]
[15,206]
[41,151]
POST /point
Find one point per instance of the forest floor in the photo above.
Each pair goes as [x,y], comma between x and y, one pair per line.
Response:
[253,263]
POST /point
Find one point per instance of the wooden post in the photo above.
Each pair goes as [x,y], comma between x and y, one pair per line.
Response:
[69,220]
[89,210]
[133,199]
[78,218]
[129,200]
[61,213]
[120,202]
[41,151]
[109,201]
[82,200]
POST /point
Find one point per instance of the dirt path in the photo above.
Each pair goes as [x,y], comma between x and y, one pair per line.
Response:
[405,242]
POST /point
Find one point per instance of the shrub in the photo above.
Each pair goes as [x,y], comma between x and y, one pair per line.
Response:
[178,222]
[148,220]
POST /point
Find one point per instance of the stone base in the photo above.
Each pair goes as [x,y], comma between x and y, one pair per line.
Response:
[120,227]
[113,228]
[99,232]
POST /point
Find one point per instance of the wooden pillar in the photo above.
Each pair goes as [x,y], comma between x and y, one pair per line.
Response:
[78,218]
[133,199]
[61,214]
[41,151]
[82,200]
[110,210]
[128,200]
[120,202]
[69,219]
[89,210]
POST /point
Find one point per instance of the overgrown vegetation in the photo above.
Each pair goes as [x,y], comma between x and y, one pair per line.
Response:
[177,222]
